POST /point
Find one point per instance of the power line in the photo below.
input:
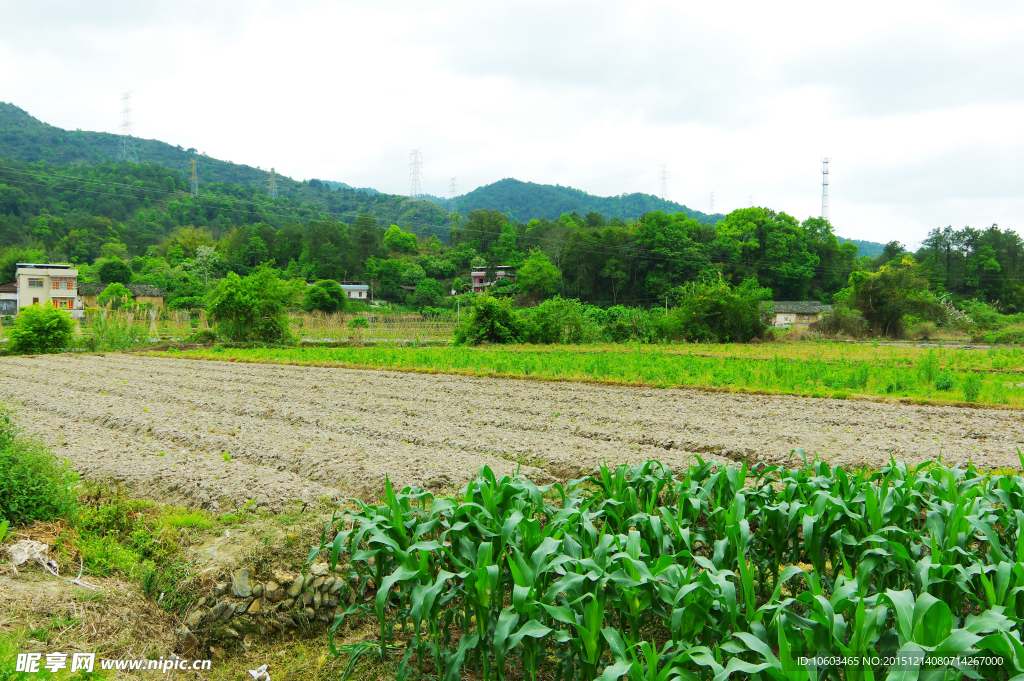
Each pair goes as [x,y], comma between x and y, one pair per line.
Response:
[126,152]
[415,173]
[824,188]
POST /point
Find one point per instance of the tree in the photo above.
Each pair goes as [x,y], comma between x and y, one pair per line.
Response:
[254,252]
[491,320]
[41,328]
[10,257]
[206,258]
[252,308]
[897,289]
[325,295]
[429,292]
[114,271]
[116,294]
[402,242]
[716,312]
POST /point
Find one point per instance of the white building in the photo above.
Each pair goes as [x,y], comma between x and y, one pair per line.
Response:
[9,299]
[48,284]
[356,290]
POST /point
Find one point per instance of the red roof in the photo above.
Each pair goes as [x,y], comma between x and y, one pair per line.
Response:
[9,288]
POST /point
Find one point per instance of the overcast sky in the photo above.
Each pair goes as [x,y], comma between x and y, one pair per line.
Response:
[919,104]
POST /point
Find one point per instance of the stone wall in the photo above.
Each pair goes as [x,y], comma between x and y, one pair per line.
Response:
[247,607]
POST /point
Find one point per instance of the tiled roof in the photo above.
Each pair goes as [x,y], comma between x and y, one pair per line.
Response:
[800,307]
[137,290]
[9,288]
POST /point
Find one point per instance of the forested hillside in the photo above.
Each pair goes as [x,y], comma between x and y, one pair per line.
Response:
[527,200]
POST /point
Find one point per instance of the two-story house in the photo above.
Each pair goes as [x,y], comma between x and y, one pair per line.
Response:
[47,284]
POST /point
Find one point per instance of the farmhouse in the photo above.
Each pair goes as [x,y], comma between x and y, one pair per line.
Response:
[797,312]
[355,290]
[479,282]
[141,293]
[47,284]
[9,299]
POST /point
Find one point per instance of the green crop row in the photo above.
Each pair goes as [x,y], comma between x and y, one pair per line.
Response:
[926,378]
[711,573]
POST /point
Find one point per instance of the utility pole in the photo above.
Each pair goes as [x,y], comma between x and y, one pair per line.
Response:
[824,188]
[193,181]
[272,185]
[663,182]
[415,173]
[453,205]
[126,151]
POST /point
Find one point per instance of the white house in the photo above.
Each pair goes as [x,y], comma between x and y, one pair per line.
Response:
[797,312]
[9,299]
[356,290]
[47,284]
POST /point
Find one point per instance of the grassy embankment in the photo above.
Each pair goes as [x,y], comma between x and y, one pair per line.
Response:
[814,369]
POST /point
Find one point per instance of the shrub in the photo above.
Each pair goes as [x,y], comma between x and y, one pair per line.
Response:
[558,320]
[888,296]
[429,292]
[34,484]
[358,323]
[114,270]
[187,303]
[715,312]
[41,328]
[253,308]
[116,294]
[944,382]
[491,320]
[972,387]
[325,295]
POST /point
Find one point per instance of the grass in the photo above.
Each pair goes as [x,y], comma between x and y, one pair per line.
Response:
[813,369]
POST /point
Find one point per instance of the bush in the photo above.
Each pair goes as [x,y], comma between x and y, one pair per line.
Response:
[325,295]
[187,303]
[715,313]
[491,320]
[895,291]
[34,484]
[253,308]
[429,292]
[41,328]
[115,294]
[944,382]
[972,387]
[358,323]
[114,270]
[558,320]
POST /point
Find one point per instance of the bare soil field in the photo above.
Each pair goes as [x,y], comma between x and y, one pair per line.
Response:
[220,434]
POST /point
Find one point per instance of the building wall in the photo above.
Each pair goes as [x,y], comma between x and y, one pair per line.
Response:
[793,319]
[57,287]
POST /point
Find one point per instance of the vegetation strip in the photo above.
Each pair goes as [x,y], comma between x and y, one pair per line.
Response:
[706,573]
[927,380]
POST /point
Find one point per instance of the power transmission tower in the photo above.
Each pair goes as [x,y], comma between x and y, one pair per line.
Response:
[453,205]
[272,185]
[712,204]
[824,188]
[126,152]
[663,181]
[751,200]
[415,173]
[193,181]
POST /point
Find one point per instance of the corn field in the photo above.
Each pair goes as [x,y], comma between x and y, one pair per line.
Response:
[713,573]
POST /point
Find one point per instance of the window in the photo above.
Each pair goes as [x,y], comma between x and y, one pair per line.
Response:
[361,293]
[35,283]
[56,284]
[35,301]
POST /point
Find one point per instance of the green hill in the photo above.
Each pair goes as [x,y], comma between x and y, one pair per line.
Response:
[868,248]
[527,200]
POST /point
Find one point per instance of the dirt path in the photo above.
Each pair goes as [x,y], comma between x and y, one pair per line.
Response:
[218,434]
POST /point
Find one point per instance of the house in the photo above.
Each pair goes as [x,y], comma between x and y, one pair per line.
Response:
[479,283]
[797,312]
[9,299]
[355,290]
[141,293]
[47,284]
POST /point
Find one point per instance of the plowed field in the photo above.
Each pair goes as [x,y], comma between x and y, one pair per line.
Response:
[219,434]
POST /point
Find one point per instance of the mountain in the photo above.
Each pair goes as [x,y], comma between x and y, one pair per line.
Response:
[868,248]
[527,200]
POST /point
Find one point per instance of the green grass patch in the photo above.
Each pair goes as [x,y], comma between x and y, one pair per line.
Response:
[986,377]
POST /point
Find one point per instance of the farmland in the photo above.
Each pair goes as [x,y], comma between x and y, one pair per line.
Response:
[939,375]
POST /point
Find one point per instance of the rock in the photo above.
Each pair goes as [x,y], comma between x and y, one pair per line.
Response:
[228,612]
[295,588]
[275,596]
[257,606]
[318,599]
[240,585]
[336,587]
[287,604]
[283,578]
[257,590]
[187,643]
[320,569]
[307,598]
[195,618]
[220,589]
[330,602]
[328,583]
[217,652]
[309,613]
[218,611]
[318,582]
[248,641]
[272,586]
[231,632]
[244,605]
[340,569]
[324,617]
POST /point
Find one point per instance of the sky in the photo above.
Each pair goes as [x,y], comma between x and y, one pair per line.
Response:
[919,105]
